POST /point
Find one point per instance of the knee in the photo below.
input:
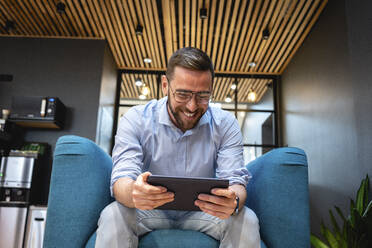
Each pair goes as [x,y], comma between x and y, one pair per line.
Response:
[250,218]
[114,212]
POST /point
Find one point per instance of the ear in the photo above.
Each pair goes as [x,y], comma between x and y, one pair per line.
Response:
[164,85]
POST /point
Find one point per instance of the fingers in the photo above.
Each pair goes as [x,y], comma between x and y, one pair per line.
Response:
[223,192]
[145,204]
[215,210]
[146,196]
[142,185]
[221,204]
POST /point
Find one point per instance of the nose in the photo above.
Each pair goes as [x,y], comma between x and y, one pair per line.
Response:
[192,105]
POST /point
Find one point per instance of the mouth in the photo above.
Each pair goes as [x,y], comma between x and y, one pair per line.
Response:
[190,116]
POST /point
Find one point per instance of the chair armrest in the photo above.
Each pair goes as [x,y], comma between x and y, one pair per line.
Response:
[79,191]
[278,193]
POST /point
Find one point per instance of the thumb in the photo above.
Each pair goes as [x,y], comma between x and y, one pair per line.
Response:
[145,175]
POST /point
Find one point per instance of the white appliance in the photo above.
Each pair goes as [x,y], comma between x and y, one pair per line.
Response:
[35,227]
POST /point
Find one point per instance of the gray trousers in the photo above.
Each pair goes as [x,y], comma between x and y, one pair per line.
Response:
[120,226]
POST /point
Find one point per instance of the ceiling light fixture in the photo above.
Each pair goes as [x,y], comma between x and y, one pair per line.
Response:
[147,60]
[145,90]
[234,84]
[265,34]
[142,97]
[203,13]
[61,8]
[139,29]
[252,96]
[138,82]
[228,98]
[252,64]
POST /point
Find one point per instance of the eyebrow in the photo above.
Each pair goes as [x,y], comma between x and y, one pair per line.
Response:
[190,91]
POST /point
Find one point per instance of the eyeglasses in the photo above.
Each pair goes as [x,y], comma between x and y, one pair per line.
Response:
[183,96]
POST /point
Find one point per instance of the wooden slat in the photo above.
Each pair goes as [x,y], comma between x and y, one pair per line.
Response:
[284,34]
[129,28]
[123,85]
[236,33]
[205,27]
[216,87]
[101,26]
[174,25]
[221,46]
[222,89]
[151,20]
[217,31]
[245,35]
[50,22]
[232,28]
[81,14]
[84,31]
[167,28]
[244,87]
[227,48]
[296,34]
[146,36]
[9,9]
[261,90]
[254,37]
[35,18]
[273,44]
[50,29]
[110,33]
[148,33]
[163,58]
[211,26]
[193,23]
[259,40]
[56,18]
[70,18]
[198,25]
[119,33]
[226,88]
[304,35]
[95,26]
[290,36]
[273,29]
[180,24]
[187,23]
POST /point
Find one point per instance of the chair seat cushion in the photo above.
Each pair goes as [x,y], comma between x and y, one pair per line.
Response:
[173,238]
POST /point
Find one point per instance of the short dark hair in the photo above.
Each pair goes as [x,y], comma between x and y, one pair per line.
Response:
[189,58]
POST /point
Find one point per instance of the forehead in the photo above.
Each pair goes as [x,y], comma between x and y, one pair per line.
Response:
[193,80]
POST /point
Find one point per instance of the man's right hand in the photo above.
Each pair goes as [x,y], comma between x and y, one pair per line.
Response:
[146,196]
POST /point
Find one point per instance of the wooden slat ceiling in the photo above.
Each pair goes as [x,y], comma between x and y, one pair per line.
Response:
[232,33]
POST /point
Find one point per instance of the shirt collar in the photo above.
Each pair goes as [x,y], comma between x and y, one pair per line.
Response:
[165,119]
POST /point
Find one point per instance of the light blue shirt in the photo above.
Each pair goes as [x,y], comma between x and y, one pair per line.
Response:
[147,140]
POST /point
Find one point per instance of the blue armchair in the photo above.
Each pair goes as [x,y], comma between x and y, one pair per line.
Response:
[277,193]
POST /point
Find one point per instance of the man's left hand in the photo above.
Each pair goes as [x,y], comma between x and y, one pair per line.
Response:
[221,203]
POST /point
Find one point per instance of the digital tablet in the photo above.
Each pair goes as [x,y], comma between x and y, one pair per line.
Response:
[186,189]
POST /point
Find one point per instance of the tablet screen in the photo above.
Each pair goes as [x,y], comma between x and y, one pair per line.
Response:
[186,189]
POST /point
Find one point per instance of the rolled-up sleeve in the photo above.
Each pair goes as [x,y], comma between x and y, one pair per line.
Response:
[127,155]
[230,160]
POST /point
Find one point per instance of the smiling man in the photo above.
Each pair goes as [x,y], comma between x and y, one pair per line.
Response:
[179,135]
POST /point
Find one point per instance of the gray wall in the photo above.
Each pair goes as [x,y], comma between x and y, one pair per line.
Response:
[326,101]
[71,69]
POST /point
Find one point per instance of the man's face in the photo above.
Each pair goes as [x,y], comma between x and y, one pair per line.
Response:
[186,115]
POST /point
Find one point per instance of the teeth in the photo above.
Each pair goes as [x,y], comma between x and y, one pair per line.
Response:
[189,115]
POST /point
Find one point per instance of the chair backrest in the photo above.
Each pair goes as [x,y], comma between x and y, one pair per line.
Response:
[278,194]
[79,191]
